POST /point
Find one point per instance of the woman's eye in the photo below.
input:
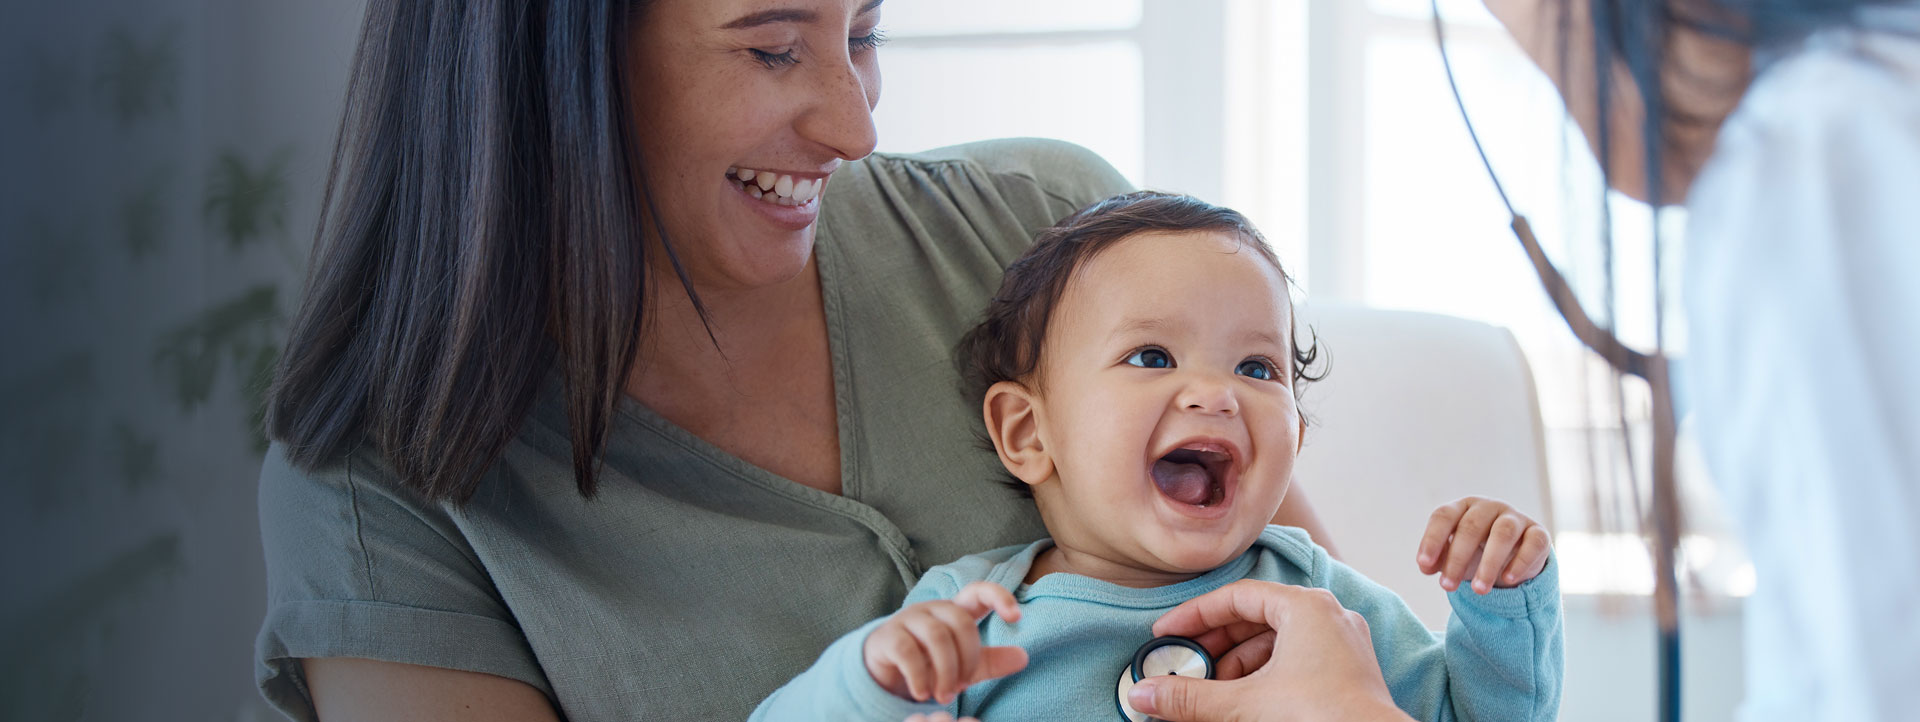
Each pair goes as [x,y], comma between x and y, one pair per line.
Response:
[773,59]
[1256,369]
[855,46]
[867,42]
[1151,358]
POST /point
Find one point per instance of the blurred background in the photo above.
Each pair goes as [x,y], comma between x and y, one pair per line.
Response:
[164,163]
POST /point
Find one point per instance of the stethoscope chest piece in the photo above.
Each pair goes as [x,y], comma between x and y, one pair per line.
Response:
[1163,655]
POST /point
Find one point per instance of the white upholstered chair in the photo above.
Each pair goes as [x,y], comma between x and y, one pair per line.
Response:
[1417,409]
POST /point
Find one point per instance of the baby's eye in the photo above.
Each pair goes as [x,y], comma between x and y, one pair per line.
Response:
[1151,358]
[1256,368]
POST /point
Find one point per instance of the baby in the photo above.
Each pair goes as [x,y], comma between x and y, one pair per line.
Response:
[1137,375]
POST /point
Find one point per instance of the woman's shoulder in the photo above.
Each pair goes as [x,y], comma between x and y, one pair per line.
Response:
[992,196]
[1040,179]
[285,482]
[358,566]
[288,485]
[336,502]
[1055,165]
[345,533]
[1068,174]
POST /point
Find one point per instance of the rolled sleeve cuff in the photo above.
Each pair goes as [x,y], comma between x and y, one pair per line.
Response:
[316,629]
[1535,595]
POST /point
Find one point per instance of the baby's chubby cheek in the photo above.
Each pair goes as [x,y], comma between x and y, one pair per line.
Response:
[1263,497]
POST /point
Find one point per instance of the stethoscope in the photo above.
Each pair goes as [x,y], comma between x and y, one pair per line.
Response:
[1162,656]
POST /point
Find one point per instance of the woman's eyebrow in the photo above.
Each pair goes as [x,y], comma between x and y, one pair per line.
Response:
[785,15]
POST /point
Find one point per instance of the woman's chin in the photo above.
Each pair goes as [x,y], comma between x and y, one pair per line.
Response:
[777,270]
[763,262]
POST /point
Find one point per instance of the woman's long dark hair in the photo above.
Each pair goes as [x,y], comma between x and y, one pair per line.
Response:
[483,222]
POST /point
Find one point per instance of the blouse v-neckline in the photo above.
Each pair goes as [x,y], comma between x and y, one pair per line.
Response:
[852,477]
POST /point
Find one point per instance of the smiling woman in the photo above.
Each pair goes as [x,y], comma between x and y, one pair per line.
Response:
[623,381]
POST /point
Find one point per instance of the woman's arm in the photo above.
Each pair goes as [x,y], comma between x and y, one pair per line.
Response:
[1703,76]
[1296,511]
[364,690]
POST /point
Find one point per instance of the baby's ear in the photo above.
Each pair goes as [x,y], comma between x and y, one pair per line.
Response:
[1012,415]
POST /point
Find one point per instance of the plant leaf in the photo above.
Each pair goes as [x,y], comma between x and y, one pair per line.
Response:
[139,79]
[191,353]
[244,203]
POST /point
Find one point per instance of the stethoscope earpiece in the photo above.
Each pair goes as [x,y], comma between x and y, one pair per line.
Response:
[1161,656]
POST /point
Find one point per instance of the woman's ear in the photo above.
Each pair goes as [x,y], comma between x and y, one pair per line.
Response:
[1012,415]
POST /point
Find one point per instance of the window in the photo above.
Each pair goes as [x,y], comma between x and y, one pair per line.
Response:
[955,73]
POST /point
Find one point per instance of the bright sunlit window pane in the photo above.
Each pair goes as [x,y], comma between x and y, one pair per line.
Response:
[1437,236]
[1437,239]
[1085,93]
[1266,142]
[920,18]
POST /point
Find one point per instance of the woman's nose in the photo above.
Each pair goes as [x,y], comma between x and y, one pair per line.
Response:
[1209,394]
[841,116]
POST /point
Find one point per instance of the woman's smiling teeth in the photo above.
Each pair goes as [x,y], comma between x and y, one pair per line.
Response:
[776,188]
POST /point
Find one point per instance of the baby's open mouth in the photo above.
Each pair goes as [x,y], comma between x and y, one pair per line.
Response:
[1192,476]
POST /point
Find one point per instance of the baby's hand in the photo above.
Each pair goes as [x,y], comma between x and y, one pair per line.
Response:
[1487,538]
[931,651]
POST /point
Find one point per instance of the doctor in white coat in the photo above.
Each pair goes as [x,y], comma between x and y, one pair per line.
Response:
[1800,169]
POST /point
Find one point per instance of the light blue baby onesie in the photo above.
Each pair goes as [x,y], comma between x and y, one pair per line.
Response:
[1500,658]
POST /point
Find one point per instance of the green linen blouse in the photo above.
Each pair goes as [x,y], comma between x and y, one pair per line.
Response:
[694,583]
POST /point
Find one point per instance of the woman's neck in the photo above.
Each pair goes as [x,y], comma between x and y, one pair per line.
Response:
[744,329]
[760,387]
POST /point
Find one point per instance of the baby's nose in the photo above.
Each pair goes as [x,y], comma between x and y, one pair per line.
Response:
[1209,396]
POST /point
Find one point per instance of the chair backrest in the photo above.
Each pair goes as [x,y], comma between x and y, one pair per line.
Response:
[1417,410]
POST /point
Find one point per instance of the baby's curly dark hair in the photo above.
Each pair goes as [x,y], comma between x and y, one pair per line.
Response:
[1005,345]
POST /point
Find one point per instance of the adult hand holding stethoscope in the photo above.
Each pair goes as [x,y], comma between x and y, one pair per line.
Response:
[1328,671]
